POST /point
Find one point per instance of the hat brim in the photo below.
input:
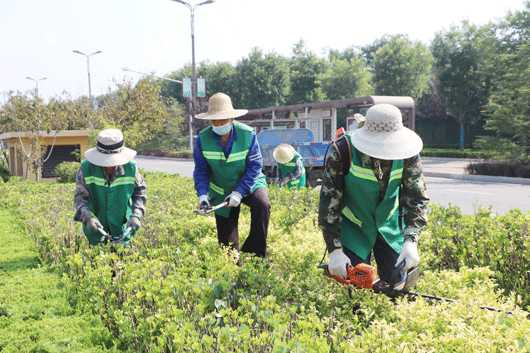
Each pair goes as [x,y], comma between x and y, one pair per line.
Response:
[231,114]
[401,144]
[278,157]
[110,160]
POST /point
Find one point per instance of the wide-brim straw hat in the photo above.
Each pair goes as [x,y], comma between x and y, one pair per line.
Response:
[383,135]
[220,108]
[110,150]
[283,153]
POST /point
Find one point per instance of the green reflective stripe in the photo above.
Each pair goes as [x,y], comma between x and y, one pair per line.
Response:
[396,174]
[396,205]
[94,180]
[123,181]
[213,155]
[363,173]
[217,189]
[290,164]
[346,212]
[237,156]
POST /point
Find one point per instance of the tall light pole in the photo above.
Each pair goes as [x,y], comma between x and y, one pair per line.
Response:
[193,71]
[36,80]
[87,56]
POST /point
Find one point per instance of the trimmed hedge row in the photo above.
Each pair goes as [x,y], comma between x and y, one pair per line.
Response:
[175,290]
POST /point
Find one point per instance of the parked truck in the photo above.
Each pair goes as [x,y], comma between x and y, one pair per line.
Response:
[310,127]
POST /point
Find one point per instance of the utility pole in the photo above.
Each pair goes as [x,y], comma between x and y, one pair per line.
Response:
[192,102]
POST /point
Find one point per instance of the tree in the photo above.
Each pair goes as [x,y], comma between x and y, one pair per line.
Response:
[459,67]
[508,108]
[262,80]
[139,110]
[305,68]
[29,114]
[345,78]
[402,67]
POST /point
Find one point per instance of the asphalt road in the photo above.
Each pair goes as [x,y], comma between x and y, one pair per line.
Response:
[468,195]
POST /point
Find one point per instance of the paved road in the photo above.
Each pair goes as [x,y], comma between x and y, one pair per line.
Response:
[468,195]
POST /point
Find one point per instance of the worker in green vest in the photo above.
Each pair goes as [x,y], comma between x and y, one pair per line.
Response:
[291,170]
[110,192]
[373,198]
[228,168]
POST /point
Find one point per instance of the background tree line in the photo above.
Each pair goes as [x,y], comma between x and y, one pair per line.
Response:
[478,76]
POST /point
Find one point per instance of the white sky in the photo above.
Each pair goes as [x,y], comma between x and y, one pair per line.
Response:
[37,36]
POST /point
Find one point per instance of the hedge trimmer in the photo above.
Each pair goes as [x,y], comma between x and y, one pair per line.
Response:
[115,239]
[207,211]
[365,276]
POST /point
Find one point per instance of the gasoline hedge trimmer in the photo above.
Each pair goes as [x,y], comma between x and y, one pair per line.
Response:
[364,276]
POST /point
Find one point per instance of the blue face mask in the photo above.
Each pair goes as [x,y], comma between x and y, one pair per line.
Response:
[223,129]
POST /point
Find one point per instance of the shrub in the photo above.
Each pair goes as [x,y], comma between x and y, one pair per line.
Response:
[66,171]
[175,290]
[499,168]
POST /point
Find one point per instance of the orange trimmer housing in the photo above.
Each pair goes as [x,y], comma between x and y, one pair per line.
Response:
[361,276]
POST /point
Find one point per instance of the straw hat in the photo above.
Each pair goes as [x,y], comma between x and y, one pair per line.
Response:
[383,135]
[110,150]
[283,153]
[220,107]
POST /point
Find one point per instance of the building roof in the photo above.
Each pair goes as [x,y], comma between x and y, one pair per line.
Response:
[400,102]
[62,133]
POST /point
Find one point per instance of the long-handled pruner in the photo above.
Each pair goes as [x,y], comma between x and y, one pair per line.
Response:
[204,212]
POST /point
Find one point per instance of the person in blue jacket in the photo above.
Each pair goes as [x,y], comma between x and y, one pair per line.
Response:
[228,168]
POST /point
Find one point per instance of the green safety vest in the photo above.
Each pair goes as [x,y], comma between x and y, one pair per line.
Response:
[289,168]
[110,203]
[364,215]
[225,172]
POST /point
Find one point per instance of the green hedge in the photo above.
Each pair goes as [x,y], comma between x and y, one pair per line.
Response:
[175,290]
[453,153]
[66,171]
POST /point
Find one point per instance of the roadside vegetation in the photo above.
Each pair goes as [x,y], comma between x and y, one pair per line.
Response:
[35,313]
[174,290]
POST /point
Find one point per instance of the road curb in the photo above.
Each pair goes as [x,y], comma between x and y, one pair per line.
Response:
[479,178]
[166,158]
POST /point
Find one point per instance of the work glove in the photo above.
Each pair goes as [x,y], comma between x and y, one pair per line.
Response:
[234,199]
[338,261]
[409,254]
[204,203]
[134,223]
[94,224]
[283,181]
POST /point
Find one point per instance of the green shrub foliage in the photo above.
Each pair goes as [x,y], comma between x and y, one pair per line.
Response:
[175,290]
[66,171]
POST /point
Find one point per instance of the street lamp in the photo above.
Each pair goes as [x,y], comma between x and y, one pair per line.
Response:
[36,80]
[193,71]
[126,69]
[87,56]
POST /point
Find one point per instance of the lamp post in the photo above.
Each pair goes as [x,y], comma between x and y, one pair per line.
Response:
[36,80]
[191,105]
[87,56]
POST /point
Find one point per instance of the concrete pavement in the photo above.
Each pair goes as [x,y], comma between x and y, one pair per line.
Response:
[468,194]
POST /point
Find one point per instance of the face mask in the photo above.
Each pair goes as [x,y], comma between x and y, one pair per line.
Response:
[223,129]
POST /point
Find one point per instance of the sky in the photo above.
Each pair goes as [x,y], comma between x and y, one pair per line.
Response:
[37,37]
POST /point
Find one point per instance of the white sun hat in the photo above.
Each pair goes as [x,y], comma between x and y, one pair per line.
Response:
[383,135]
[220,108]
[283,153]
[110,150]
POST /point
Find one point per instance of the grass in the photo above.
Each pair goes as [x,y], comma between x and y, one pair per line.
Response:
[35,315]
